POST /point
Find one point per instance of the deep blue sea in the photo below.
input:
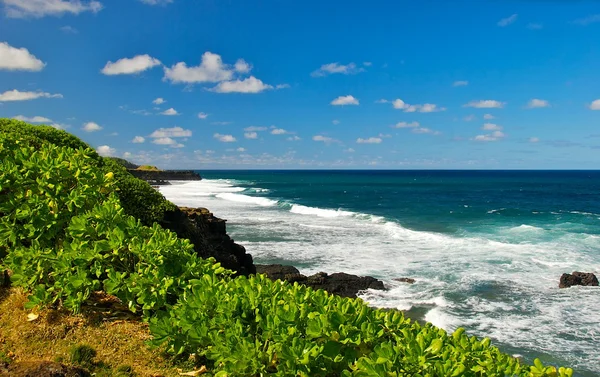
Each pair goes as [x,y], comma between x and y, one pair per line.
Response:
[486,248]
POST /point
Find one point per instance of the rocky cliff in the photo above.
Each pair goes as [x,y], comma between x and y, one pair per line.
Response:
[161,177]
[209,236]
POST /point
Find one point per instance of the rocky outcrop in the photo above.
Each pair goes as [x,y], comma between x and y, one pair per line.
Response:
[40,369]
[209,236]
[161,177]
[405,280]
[340,283]
[578,278]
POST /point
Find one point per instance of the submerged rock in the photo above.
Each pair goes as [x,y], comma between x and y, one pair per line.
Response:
[578,278]
[340,283]
[40,369]
[405,280]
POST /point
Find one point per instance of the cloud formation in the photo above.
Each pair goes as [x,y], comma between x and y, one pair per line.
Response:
[170,112]
[34,119]
[171,132]
[129,66]
[370,140]
[43,8]
[508,20]
[91,127]
[332,68]
[106,151]
[485,104]
[18,59]
[345,100]
[537,103]
[15,95]
[224,138]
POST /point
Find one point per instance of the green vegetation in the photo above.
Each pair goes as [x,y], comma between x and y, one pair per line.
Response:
[68,231]
[83,355]
[148,168]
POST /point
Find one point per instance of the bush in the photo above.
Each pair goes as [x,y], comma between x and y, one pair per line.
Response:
[82,355]
[137,197]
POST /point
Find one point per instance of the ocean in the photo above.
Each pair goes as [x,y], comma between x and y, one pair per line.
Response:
[486,248]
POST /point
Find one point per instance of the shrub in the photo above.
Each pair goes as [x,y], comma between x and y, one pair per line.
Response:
[82,355]
[137,197]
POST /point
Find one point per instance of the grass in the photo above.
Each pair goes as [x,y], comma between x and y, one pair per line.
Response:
[103,339]
[148,168]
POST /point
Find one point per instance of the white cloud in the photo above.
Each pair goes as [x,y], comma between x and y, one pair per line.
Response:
[255,128]
[367,64]
[138,140]
[349,150]
[588,20]
[170,112]
[278,131]
[508,20]
[171,132]
[167,141]
[469,118]
[128,66]
[127,155]
[294,138]
[534,139]
[159,101]
[15,95]
[282,86]
[248,85]
[485,104]
[325,139]
[488,116]
[424,130]
[224,138]
[91,127]
[406,125]
[345,100]
[240,149]
[537,103]
[460,83]
[491,127]
[331,68]
[535,26]
[211,69]
[494,136]
[335,121]
[383,100]
[42,8]
[59,126]
[202,115]
[221,123]
[68,29]
[425,108]
[242,67]
[157,2]
[35,119]
[371,140]
[251,135]
[106,151]
[595,105]
[18,59]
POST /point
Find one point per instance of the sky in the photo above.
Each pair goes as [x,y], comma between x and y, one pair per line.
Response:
[282,84]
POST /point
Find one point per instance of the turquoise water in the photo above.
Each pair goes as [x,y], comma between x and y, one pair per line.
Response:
[486,247]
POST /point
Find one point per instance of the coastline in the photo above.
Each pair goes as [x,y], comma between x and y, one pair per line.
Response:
[281,231]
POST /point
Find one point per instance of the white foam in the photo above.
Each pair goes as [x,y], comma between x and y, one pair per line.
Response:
[240,198]
[313,211]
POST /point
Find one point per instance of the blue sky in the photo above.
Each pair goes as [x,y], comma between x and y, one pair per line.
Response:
[311,84]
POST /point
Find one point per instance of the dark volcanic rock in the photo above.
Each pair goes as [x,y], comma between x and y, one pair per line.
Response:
[578,278]
[209,236]
[341,284]
[41,369]
[278,271]
[159,177]
[405,280]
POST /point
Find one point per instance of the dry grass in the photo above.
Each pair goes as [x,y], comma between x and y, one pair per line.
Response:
[118,337]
